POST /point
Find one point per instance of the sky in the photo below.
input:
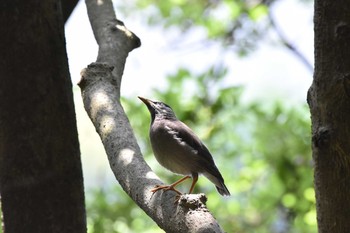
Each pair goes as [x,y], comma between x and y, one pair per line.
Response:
[269,73]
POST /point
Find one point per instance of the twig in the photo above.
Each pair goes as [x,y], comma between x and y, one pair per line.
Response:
[289,45]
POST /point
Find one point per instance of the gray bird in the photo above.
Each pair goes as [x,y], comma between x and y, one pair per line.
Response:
[177,148]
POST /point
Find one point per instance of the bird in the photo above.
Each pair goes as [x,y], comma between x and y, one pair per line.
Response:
[177,148]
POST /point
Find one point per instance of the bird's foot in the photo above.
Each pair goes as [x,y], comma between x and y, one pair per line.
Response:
[165,188]
[177,198]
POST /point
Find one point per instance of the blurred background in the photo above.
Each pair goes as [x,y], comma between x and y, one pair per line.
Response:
[237,72]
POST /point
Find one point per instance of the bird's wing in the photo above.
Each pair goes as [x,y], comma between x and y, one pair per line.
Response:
[186,135]
[205,161]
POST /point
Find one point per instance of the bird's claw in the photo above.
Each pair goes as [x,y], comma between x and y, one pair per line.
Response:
[167,188]
[177,198]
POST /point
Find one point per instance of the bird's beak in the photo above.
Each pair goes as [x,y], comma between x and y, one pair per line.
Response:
[150,105]
[146,101]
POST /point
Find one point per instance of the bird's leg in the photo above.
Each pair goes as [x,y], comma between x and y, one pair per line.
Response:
[194,181]
[170,187]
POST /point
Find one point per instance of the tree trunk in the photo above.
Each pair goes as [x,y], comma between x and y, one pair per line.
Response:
[329,103]
[41,182]
[67,8]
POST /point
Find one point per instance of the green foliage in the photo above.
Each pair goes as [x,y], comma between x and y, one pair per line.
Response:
[237,23]
[262,151]
[110,210]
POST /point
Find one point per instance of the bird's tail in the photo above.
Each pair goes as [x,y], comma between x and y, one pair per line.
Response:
[223,190]
[219,182]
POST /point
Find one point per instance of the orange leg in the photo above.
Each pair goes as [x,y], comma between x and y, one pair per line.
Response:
[171,187]
[194,181]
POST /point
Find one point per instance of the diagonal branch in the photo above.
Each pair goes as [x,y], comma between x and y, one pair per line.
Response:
[289,45]
[100,86]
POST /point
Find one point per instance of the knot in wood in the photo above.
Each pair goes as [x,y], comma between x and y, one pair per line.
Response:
[321,137]
[192,202]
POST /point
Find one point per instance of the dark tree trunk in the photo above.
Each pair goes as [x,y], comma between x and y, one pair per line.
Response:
[329,103]
[41,182]
[67,8]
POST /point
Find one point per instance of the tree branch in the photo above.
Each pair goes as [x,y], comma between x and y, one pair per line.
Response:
[289,45]
[100,86]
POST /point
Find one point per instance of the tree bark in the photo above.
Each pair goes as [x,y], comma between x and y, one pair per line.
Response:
[329,103]
[100,86]
[41,182]
[67,8]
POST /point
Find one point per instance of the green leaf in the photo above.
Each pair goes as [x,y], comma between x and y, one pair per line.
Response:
[258,12]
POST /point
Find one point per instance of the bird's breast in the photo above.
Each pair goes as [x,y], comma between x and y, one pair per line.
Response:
[171,151]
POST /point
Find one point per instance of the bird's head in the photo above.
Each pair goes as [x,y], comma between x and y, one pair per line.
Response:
[158,109]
